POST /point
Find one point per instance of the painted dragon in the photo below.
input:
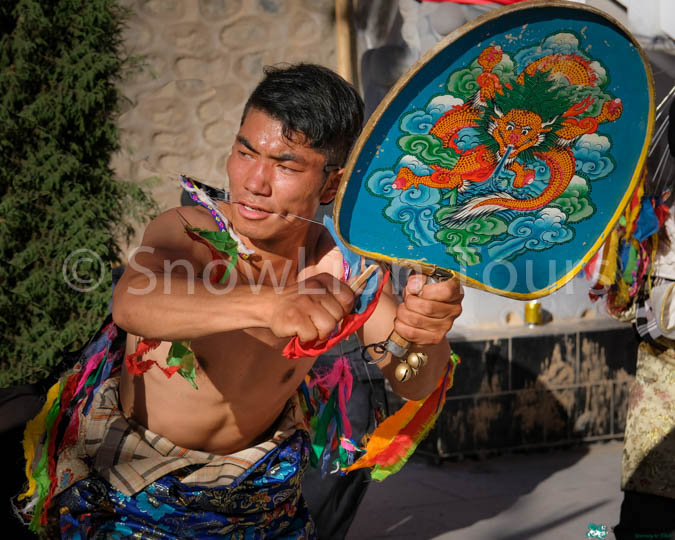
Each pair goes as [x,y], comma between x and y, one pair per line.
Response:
[516,123]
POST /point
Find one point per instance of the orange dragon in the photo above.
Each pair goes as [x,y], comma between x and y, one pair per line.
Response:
[511,128]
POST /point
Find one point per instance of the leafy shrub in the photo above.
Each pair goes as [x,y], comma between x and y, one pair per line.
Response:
[59,65]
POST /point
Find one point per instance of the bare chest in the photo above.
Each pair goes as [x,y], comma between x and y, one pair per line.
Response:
[243,385]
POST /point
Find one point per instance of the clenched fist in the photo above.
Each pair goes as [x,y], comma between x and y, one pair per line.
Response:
[312,308]
[428,310]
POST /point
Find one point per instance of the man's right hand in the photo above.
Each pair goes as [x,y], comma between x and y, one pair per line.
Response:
[312,308]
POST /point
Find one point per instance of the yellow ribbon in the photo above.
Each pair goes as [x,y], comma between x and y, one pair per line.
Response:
[35,428]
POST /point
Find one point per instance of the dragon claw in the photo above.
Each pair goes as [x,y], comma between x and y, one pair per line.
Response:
[399,183]
[613,109]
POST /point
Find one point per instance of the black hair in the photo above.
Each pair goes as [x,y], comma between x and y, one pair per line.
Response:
[314,101]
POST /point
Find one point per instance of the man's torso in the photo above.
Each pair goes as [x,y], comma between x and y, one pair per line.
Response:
[243,379]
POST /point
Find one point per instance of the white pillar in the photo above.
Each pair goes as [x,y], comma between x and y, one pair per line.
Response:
[643,17]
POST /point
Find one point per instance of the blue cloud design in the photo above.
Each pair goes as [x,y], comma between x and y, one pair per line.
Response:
[562,43]
[592,156]
[413,208]
[419,122]
[532,233]
[467,138]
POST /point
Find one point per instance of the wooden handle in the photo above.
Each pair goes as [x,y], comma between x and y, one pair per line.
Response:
[344,39]
[397,345]
[359,281]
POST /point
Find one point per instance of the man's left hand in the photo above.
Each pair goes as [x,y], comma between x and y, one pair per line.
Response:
[428,310]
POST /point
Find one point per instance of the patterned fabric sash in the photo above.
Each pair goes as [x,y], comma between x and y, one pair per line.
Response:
[122,479]
[131,457]
[266,503]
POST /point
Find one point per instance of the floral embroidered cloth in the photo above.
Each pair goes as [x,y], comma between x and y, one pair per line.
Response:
[94,473]
[649,449]
[122,480]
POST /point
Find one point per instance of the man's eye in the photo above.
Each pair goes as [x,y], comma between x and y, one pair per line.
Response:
[288,169]
[244,154]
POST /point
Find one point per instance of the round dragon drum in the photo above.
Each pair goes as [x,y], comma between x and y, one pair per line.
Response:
[506,155]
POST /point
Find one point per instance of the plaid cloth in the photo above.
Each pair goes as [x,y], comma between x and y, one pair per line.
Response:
[121,480]
[130,456]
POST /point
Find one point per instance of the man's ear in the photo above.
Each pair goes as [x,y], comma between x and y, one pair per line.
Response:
[330,188]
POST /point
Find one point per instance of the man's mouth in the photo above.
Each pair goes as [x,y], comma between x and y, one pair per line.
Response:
[252,211]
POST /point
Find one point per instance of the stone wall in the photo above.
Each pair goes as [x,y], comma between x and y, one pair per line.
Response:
[201,60]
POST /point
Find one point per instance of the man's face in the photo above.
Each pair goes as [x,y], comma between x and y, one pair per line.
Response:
[272,177]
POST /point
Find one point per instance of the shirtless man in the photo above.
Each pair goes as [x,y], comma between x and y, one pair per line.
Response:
[295,133]
[244,381]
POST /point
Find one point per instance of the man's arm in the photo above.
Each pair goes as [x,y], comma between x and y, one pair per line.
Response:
[163,295]
[425,316]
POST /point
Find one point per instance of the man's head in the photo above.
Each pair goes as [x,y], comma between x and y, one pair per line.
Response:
[296,132]
[313,101]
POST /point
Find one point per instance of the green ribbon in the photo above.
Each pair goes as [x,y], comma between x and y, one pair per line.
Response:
[631,265]
[321,431]
[41,471]
[220,241]
[181,355]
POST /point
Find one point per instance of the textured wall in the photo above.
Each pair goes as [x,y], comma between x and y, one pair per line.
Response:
[537,391]
[202,58]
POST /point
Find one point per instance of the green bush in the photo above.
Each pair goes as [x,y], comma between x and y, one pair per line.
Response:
[59,65]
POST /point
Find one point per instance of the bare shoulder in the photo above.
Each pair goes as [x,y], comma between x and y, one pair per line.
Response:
[326,255]
[168,229]
[165,238]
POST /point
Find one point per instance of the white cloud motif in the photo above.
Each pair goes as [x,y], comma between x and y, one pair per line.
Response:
[594,142]
[578,182]
[562,43]
[600,72]
[421,121]
[591,156]
[414,164]
[443,103]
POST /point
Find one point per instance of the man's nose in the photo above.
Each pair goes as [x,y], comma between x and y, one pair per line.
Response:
[258,179]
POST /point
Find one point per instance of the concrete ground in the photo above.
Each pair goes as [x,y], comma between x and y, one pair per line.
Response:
[539,495]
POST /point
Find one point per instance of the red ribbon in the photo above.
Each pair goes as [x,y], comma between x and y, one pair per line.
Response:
[136,366]
[350,324]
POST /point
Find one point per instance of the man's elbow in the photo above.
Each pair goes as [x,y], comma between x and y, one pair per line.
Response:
[121,312]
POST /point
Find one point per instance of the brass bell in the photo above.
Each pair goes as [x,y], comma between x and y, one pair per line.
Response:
[403,372]
[417,360]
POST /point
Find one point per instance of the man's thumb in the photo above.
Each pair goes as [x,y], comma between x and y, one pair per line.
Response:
[415,284]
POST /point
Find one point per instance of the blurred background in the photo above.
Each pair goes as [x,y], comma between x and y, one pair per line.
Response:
[558,382]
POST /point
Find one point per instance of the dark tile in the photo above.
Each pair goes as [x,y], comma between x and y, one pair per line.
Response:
[607,354]
[621,391]
[592,410]
[528,408]
[492,422]
[548,361]
[556,415]
[472,425]
[453,432]
[484,367]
